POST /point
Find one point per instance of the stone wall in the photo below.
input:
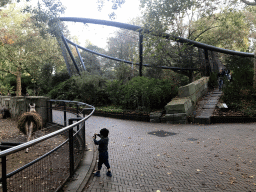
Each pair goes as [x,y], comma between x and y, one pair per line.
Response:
[184,104]
[19,105]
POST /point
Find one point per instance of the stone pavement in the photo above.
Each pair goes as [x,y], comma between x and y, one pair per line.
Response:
[183,158]
[206,106]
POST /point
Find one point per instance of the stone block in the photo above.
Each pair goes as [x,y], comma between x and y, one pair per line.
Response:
[187,90]
[179,105]
[175,117]
[177,122]
[155,117]
[194,90]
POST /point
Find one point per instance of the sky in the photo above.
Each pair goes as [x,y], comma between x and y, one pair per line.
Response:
[97,34]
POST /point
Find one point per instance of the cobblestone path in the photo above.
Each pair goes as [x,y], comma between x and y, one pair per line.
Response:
[184,158]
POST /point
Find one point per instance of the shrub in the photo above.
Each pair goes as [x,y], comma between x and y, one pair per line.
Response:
[213,81]
[145,94]
[139,93]
[238,94]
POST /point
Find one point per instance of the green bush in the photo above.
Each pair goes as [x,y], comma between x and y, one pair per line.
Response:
[139,93]
[64,91]
[239,93]
[142,93]
[213,81]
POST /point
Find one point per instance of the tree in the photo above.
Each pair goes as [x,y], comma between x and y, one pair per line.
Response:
[5,2]
[124,45]
[23,49]
[115,5]
[201,21]
[229,29]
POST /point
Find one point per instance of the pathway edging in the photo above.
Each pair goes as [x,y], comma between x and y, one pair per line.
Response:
[85,169]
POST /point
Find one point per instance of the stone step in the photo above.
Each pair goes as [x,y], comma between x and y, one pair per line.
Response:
[206,107]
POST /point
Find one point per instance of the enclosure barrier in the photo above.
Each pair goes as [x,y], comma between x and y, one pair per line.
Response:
[204,54]
[63,151]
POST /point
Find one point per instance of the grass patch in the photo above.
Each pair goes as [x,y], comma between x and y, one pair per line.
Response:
[110,108]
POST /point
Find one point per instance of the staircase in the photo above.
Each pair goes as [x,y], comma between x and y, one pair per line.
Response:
[206,106]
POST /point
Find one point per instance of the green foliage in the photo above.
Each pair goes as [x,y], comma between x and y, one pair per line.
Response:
[139,93]
[142,93]
[66,90]
[213,80]
[60,77]
[239,93]
[87,88]
[110,108]
[91,89]
[45,78]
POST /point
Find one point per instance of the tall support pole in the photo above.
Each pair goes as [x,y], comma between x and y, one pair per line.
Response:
[65,115]
[70,53]
[254,77]
[140,52]
[207,72]
[80,57]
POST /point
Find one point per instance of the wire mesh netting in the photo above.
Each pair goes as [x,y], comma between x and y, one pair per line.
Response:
[46,166]
[47,174]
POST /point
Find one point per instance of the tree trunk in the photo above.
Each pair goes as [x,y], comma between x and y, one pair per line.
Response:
[18,86]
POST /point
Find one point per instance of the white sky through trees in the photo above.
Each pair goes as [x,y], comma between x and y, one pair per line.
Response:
[97,34]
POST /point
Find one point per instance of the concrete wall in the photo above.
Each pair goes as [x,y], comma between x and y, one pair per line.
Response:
[19,105]
[184,104]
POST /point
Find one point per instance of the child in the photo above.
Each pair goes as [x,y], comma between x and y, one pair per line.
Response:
[103,151]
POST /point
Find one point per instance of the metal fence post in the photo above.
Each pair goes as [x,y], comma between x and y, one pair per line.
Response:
[65,115]
[71,150]
[50,116]
[254,76]
[77,115]
[140,52]
[83,136]
[4,179]
[207,72]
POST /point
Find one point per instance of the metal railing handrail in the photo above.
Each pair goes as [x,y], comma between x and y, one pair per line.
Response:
[45,137]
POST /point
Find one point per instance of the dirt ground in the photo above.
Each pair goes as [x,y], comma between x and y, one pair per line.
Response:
[10,133]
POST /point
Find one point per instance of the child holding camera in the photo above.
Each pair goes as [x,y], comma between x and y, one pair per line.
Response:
[103,151]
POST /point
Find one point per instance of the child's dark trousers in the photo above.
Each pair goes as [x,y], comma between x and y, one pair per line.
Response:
[103,159]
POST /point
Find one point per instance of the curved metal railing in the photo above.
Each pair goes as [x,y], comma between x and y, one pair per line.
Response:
[51,170]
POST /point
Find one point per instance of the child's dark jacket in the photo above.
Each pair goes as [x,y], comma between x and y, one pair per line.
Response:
[103,144]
